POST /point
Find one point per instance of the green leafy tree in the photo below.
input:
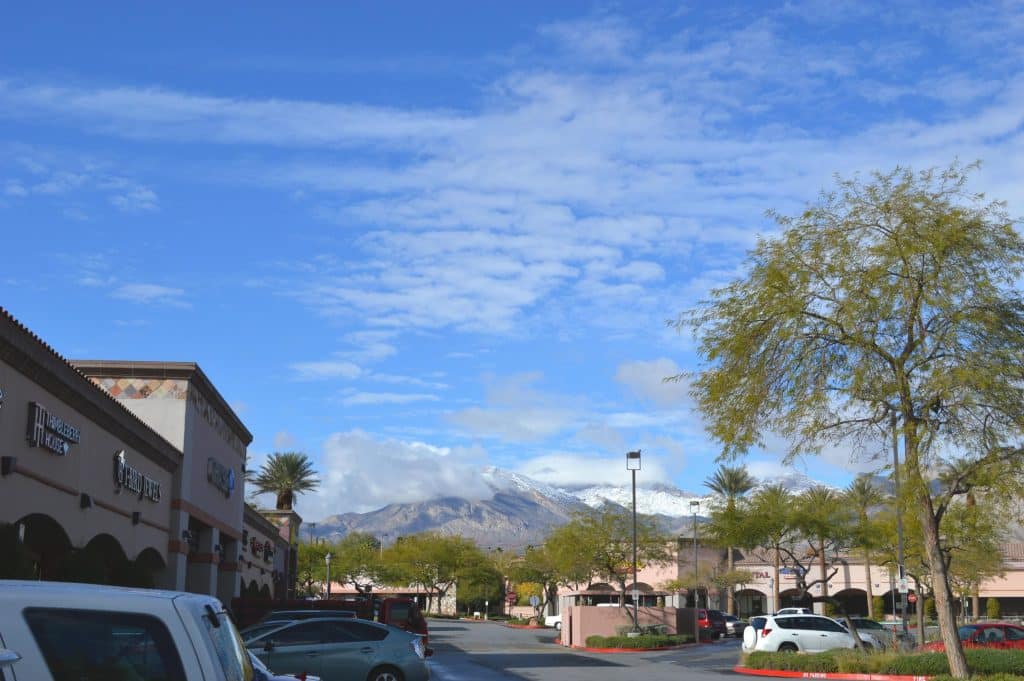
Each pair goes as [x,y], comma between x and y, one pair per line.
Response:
[601,544]
[771,529]
[430,560]
[286,474]
[547,569]
[480,584]
[862,497]
[311,568]
[728,516]
[823,524]
[889,300]
[356,560]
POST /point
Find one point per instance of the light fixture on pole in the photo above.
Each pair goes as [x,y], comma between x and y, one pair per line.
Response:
[327,559]
[633,465]
[695,506]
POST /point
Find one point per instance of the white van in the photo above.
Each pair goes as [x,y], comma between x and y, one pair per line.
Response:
[81,631]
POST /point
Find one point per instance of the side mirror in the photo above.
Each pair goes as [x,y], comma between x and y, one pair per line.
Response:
[268,646]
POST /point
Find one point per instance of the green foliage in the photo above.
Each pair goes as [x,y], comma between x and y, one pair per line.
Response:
[992,608]
[980,660]
[878,606]
[434,561]
[356,560]
[642,642]
[929,608]
[311,568]
[286,474]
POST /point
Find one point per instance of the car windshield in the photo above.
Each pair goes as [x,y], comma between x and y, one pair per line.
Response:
[258,630]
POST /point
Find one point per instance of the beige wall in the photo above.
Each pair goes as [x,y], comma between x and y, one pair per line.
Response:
[202,442]
[50,484]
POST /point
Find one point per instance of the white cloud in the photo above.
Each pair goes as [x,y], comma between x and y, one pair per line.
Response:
[137,200]
[577,470]
[518,412]
[364,398]
[362,472]
[285,441]
[154,294]
[646,380]
[312,371]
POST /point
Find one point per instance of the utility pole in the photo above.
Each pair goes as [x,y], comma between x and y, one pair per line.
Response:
[902,576]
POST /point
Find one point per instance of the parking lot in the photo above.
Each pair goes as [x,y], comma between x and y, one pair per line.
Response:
[488,651]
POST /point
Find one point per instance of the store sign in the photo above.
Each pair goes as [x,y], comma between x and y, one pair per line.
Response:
[761,574]
[50,432]
[135,481]
[220,476]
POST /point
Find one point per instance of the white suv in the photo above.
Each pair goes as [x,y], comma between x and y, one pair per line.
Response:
[803,633]
[72,631]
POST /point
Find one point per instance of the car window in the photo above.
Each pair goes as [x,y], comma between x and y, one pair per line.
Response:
[825,624]
[347,632]
[94,645]
[965,633]
[992,635]
[304,633]
[867,624]
[758,622]
[249,633]
[786,622]
[1014,634]
[228,646]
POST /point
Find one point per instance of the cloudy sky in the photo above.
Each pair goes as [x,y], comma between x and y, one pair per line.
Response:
[414,239]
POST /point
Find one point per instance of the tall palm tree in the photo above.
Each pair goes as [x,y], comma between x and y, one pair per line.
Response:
[287,474]
[862,495]
[730,483]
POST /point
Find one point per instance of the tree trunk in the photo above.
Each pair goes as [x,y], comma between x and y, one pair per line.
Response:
[775,586]
[871,595]
[940,579]
[920,612]
[730,598]
[824,573]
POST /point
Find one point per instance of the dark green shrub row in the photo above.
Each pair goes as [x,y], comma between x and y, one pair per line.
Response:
[916,664]
[980,677]
[640,642]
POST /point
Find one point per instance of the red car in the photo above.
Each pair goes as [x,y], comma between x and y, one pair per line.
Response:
[987,635]
[712,621]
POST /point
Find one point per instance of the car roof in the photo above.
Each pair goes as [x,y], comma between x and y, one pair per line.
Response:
[74,591]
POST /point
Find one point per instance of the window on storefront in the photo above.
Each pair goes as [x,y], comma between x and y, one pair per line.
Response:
[92,645]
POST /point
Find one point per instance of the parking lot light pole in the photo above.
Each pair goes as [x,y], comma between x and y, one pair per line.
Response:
[327,559]
[633,465]
[695,506]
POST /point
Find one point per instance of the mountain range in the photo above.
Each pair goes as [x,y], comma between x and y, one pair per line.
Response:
[522,511]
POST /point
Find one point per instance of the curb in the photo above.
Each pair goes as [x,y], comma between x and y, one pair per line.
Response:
[526,626]
[836,676]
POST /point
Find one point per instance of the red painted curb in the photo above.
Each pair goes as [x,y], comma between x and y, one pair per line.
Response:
[526,626]
[836,676]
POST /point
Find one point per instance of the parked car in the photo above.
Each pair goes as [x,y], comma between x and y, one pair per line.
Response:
[985,635]
[799,633]
[712,621]
[261,673]
[84,631]
[888,637]
[795,611]
[554,621]
[343,649]
[734,626]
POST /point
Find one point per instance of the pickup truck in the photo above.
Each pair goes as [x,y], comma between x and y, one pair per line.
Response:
[82,631]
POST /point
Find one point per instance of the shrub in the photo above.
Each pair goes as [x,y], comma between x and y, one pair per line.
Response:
[999,665]
[992,608]
[929,608]
[642,642]
[878,607]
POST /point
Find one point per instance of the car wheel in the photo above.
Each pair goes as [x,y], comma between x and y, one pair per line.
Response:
[788,648]
[385,674]
[867,646]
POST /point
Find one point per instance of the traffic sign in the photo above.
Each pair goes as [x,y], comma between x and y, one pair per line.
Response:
[511,597]
[535,600]
[904,586]
[912,598]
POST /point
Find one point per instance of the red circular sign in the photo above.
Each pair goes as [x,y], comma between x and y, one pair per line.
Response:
[911,598]
[511,597]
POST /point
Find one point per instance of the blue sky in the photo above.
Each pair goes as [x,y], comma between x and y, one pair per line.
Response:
[415,239]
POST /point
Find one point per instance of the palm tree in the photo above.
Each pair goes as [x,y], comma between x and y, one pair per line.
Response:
[287,474]
[862,495]
[731,483]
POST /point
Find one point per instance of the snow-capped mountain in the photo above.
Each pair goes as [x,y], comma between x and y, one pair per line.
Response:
[523,510]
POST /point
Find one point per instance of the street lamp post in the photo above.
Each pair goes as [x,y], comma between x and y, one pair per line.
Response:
[633,465]
[312,526]
[327,559]
[695,506]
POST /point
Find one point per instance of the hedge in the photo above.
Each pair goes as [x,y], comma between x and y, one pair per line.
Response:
[645,641]
[979,660]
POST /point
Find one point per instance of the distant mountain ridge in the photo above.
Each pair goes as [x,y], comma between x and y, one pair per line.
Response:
[523,510]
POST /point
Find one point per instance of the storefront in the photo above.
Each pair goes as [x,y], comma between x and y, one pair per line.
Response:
[263,561]
[86,485]
[179,402]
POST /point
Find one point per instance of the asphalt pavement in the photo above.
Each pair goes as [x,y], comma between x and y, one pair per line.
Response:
[489,651]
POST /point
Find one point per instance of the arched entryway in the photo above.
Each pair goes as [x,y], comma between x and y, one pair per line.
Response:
[47,543]
[750,603]
[854,601]
[794,598]
[150,567]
